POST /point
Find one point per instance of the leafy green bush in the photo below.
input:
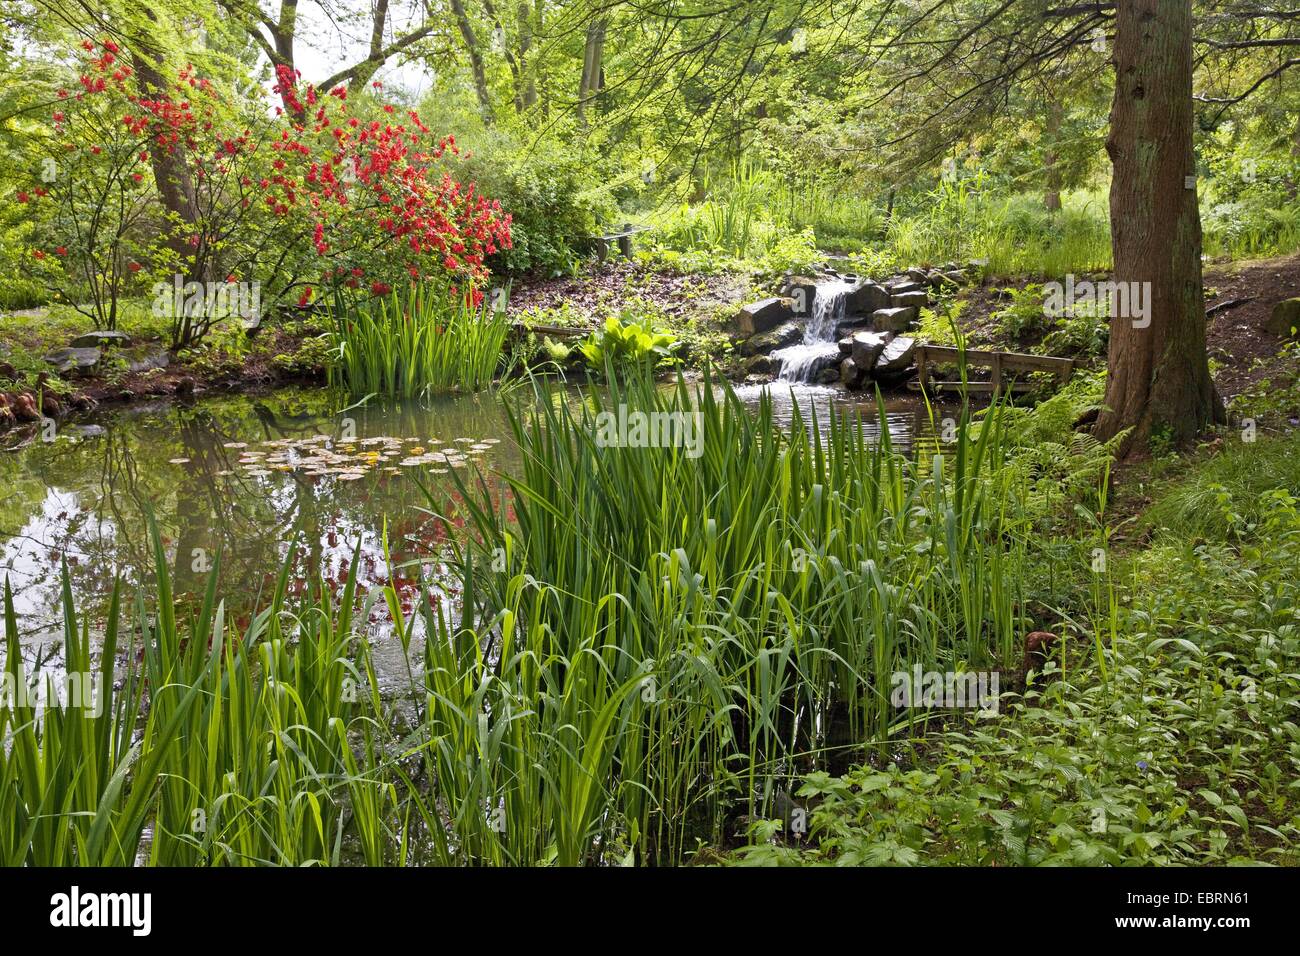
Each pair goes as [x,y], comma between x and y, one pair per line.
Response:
[555,194]
[791,253]
[621,343]
[1025,314]
[1083,332]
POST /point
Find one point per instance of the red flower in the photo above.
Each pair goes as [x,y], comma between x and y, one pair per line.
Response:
[38,254]
[133,266]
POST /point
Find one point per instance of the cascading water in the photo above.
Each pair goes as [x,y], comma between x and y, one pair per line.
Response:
[818,350]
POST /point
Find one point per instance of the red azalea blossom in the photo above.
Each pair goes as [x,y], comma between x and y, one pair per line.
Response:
[376,188]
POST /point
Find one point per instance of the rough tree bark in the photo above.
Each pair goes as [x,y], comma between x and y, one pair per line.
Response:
[475,59]
[1051,167]
[171,175]
[1159,378]
[592,59]
[375,59]
[525,16]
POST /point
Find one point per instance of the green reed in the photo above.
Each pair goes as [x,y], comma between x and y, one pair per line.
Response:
[421,341]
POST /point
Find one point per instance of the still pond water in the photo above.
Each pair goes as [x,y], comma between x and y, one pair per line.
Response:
[236,475]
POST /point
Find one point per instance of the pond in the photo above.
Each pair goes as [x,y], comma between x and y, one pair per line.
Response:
[236,475]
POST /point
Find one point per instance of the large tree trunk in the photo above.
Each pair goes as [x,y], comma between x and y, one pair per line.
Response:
[539,71]
[529,97]
[367,68]
[1159,377]
[283,34]
[475,59]
[592,57]
[1051,167]
[171,175]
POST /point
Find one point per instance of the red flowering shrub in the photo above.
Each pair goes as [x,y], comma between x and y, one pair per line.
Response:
[311,198]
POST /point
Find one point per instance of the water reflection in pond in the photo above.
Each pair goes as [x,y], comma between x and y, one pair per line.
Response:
[237,475]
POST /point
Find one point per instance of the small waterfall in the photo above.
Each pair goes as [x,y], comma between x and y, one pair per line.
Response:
[818,350]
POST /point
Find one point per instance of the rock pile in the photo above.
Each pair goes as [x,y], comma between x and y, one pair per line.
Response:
[871,335]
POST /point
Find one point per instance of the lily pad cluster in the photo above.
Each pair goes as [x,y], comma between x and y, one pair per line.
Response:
[320,456]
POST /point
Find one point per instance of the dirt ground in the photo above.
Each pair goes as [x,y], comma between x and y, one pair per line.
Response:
[616,283]
[1236,336]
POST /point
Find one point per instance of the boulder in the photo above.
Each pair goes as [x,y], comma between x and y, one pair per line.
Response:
[896,357]
[902,279]
[893,320]
[1285,320]
[148,363]
[802,291]
[903,300]
[8,373]
[867,298]
[829,375]
[760,365]
[24,408]
[903,287]
[851,374]
[849,326]
[73,359]
[787,333]
[101,339]
[919,276]
[764,315]
[865,348]
[846,344]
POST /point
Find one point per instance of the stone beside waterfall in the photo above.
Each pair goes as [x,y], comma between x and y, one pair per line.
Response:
[867,298]
[787,333]
[896,357]
[894,320]
[764,315]
[865,348]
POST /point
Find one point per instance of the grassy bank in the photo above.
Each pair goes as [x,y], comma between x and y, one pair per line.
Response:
[1176,745]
